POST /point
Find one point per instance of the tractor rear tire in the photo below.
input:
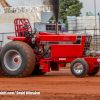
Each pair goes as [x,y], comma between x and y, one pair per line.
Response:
[37,71]
[17,59]
[79,67]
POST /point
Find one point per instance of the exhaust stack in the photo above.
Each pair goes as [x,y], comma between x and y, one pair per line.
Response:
[55,9]
[56,27]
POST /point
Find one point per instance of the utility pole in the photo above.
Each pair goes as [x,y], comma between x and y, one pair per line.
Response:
[95,22]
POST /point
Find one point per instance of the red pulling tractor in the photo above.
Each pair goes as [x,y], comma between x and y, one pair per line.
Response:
[39,52]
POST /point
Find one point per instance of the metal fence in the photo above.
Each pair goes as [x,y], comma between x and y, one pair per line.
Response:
[95,43]
[84,24]
[3,38]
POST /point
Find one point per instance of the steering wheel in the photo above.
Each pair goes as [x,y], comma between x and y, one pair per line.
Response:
[34,31]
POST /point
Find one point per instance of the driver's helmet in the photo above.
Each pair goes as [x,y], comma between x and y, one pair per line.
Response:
[26,24]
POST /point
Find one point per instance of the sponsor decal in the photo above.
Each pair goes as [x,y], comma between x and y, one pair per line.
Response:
[62,58]
[66,38]
[98,60]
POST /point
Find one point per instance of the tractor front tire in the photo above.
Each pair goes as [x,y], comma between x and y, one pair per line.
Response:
[79,67]
[17,59]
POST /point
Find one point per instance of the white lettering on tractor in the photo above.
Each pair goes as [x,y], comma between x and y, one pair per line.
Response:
[62,58]
[66,38]
[98,60]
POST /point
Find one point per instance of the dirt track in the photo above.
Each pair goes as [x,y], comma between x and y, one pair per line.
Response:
[60,85]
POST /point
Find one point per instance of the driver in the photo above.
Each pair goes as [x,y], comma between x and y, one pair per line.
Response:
[26,33]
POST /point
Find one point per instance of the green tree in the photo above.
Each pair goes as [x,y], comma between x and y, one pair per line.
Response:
[70,8]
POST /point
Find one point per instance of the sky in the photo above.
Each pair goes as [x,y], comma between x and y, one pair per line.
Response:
[88,5]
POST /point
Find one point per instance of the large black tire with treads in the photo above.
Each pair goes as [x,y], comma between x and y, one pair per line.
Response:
[17,59]
[79,67]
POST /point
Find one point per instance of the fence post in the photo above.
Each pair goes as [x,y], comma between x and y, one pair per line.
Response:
[85,30]
[94,39]
[73,30]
